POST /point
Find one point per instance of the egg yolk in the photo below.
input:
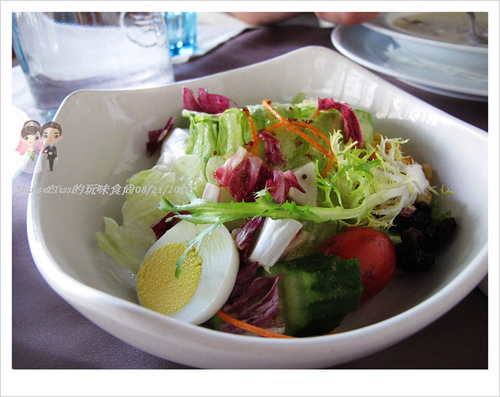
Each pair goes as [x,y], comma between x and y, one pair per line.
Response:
[157,287]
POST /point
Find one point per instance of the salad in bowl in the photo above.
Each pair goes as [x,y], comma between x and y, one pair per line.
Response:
[274,219]
[176,190]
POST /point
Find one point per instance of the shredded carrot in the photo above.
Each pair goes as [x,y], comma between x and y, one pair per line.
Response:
[322,149]
[292,125]
[267,104]
[313,128]
[251,328]
[331,160]
[274,126]
[288,124]
[255,138]
[331,155]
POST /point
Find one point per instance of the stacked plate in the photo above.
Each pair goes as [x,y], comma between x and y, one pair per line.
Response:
[431,51]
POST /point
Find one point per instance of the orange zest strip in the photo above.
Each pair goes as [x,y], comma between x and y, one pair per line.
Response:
[255,138]
[291,125]
[251,328]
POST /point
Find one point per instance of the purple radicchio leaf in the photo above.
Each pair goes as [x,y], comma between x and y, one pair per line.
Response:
[245,235]
[352,127]
[206,102]
[258,305]
[246,275]
[272,152]
[156,137]
[162,226]
[280,185]
[242,175]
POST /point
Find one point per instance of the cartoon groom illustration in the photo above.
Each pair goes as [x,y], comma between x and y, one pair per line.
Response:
[51,134]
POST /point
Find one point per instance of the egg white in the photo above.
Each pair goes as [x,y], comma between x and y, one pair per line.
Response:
[220,263]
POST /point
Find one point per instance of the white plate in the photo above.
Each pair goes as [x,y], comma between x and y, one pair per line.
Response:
[442,92]
[104,143]
[382,54]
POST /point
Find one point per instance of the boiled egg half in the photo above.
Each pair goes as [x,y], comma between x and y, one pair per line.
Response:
[206,279]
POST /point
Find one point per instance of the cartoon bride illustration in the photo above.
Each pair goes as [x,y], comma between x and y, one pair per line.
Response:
[30,144]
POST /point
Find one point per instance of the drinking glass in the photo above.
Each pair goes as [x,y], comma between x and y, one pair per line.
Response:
[61,52]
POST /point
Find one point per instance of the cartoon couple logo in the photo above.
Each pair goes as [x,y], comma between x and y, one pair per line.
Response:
[36,139]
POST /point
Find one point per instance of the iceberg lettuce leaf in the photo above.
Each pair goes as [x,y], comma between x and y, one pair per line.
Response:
[128,243]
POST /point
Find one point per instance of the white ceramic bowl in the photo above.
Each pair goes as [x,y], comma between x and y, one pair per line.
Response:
[466,56]
[104,135]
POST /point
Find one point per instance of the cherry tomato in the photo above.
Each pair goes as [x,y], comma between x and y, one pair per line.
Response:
[376,254]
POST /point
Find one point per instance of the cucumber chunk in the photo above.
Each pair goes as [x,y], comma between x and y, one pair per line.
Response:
[316,292]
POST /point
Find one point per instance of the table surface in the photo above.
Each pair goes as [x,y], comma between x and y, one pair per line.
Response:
[47,333]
